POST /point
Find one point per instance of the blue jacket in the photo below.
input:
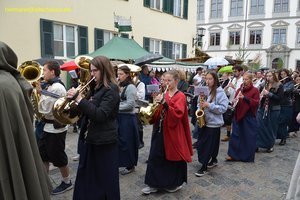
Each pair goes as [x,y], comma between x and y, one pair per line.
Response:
[214,112]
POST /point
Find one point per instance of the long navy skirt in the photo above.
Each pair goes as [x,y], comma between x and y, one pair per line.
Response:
[98,173]
[128,140]
[163,173]
[285,118]
[242,143]
[208,144]
[267,128]
[294,125]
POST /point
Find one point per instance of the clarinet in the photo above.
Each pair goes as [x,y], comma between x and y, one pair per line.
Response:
[266,104]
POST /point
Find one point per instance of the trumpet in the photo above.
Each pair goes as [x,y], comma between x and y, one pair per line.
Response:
[146,113]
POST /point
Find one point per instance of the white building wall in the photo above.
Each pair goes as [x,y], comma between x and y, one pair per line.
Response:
[267,19]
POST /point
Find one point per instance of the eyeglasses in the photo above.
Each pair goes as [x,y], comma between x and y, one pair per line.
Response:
[94,70]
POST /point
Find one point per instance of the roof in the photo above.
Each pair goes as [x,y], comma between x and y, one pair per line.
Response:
[119,48]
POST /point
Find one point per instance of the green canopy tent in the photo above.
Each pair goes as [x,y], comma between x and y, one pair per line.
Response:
[119,48]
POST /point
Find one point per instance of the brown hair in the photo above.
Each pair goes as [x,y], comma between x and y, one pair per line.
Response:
[53,65]
[126,70]
[174,73]
[213,91]
[182,75]
[106,70]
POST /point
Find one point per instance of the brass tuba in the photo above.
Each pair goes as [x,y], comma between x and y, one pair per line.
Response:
[65,110]
[200,115]
[146,113]
[32,72]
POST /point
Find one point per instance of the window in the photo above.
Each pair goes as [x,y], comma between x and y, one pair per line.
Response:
[234,38]
[216,8]
[257,7]
[298,36]
[215,39]
[279,36]
[177,8]
[255,37]
[155,46]
[155,4]
[176,51]
[64,40]
[236,7]
[200,9]
[281,6]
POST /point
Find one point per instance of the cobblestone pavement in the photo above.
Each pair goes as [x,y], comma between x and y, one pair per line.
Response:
[266,179]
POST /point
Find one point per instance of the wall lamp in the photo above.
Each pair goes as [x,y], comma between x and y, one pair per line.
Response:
[198,40]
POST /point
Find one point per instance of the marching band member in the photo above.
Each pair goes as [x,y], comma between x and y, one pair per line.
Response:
[209,140]
[128,128]
[294,125]
[171,144]
[286,111]
[259,82]
[242,143]
[268,112]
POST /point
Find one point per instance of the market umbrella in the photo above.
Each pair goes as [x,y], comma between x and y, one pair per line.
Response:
[149,58]
[68,66]
[42,61]
[227,68]
[215,61]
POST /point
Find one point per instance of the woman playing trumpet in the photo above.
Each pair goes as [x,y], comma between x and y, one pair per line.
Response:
[98,174]
[171,144]
[286,111]
[242,143]
[268,112]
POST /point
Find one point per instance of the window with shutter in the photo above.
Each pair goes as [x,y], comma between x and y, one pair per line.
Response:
[146,43]
[98,41]
[185,9]
[82,40]
[46,29]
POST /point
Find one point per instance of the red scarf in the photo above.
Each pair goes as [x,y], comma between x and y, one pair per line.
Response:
[252,94]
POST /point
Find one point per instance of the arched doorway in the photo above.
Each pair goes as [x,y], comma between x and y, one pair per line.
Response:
[277,63]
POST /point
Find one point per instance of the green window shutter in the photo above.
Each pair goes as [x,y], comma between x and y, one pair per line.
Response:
[147,3]
[170,49]
[185,9]
[167,48]
[146,43]
[183,51]
[83,40]
[124,35]
[47,40]
[165,6]
[168,6]
[98,41]
[171,7]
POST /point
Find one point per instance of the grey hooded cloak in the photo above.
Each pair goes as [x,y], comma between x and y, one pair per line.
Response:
[22,174]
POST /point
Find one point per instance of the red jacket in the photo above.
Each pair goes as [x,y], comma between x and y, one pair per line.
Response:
[176,129]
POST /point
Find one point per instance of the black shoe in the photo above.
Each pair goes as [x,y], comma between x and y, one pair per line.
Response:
[63,187]
[212,163]
[201,172]
[282,142]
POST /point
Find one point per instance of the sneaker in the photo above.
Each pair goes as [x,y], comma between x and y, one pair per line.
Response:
[127,171]
[174,190]
[148,190]
[63,187]
[76,158]
[212,164]
[201,172]
[225,139]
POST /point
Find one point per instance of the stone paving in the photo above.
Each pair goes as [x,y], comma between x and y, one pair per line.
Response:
[266,179]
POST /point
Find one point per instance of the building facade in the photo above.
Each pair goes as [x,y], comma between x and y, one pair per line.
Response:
[64,29]
[261,32]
